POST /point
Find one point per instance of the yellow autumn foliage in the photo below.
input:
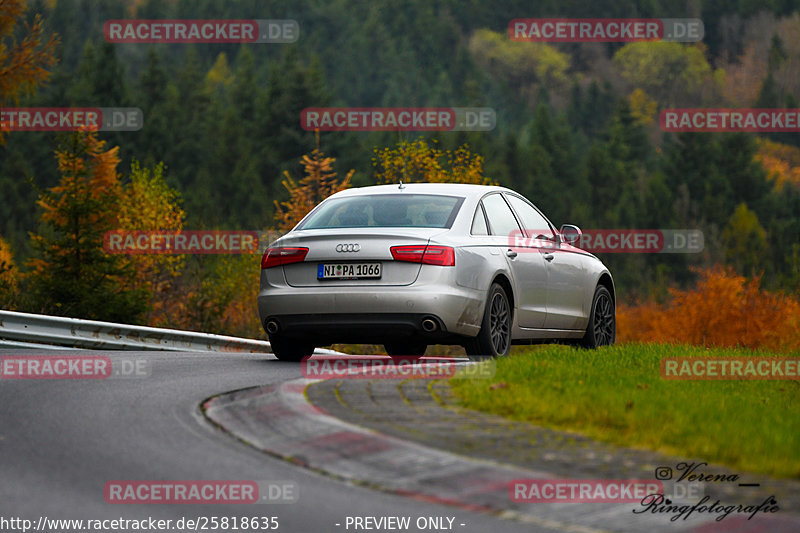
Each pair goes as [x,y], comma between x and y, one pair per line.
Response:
[418,161]
[781,161]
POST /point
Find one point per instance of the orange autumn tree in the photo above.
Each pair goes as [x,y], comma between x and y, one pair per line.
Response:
[147,203]
[221,297]
[72,275]
[8,275]
[319,182]
[23,62]
[419,161]
[724,309]
[781,161]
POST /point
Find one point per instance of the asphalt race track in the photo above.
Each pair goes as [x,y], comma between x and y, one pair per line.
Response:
[62,440]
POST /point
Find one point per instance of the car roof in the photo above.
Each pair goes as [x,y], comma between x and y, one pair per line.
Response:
[459,189]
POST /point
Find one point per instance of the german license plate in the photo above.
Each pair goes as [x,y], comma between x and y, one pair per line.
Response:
[348,270]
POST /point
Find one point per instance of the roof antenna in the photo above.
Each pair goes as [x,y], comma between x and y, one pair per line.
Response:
[401,186]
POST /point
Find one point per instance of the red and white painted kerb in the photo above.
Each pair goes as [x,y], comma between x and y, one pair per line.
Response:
[280,421]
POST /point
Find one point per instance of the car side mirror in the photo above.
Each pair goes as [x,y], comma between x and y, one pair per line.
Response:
[571,234]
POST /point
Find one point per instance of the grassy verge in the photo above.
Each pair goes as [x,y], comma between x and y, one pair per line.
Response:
[617,395]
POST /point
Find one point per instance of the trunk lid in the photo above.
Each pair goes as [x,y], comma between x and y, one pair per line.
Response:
[355,246]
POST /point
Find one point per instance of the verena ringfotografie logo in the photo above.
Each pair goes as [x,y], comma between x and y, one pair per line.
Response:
[605,30]
[71,118]
[398,119]
[392,367]
[731,368]
[181,242]
[693,477]
[730,120]
[630,241]
[71,367]
[201,31]
[200,492]
[583,490]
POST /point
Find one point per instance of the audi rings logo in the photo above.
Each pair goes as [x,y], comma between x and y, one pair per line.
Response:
[348,247]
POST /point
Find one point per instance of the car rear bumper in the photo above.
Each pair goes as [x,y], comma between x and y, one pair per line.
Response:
[327,315]
[374,328]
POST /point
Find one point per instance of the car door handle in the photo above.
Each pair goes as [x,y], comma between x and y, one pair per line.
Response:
[548,257]
[511,253]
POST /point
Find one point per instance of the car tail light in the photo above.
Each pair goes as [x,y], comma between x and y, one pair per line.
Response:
[282,256]
[427,255]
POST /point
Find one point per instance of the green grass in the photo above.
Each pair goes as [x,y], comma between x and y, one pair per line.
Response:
[617,395]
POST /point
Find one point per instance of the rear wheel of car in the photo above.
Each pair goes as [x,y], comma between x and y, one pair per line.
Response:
[602,327]
[405,348]
[494,337]
[289,350]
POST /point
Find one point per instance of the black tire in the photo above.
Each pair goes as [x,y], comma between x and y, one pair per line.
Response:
[289,350]
[405,348]
[494,338]
[602,327]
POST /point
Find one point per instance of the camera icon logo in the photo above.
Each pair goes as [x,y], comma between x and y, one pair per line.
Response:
[663,473]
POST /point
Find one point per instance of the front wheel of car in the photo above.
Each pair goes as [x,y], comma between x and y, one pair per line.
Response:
[289,350]
[602,327]
[494,337]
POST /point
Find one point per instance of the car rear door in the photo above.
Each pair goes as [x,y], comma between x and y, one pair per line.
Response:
[526,263]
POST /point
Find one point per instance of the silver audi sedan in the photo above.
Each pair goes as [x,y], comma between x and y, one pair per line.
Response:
[406,266]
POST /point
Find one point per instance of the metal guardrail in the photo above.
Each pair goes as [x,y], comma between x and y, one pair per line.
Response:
[30,330]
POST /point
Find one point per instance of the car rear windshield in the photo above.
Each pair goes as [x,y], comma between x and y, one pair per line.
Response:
[386,210]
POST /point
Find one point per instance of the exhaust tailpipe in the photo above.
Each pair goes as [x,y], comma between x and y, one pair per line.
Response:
[429,325]
[273,327]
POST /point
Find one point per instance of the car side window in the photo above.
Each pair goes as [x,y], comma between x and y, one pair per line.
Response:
[479,222]
[535,225]
[501,219]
